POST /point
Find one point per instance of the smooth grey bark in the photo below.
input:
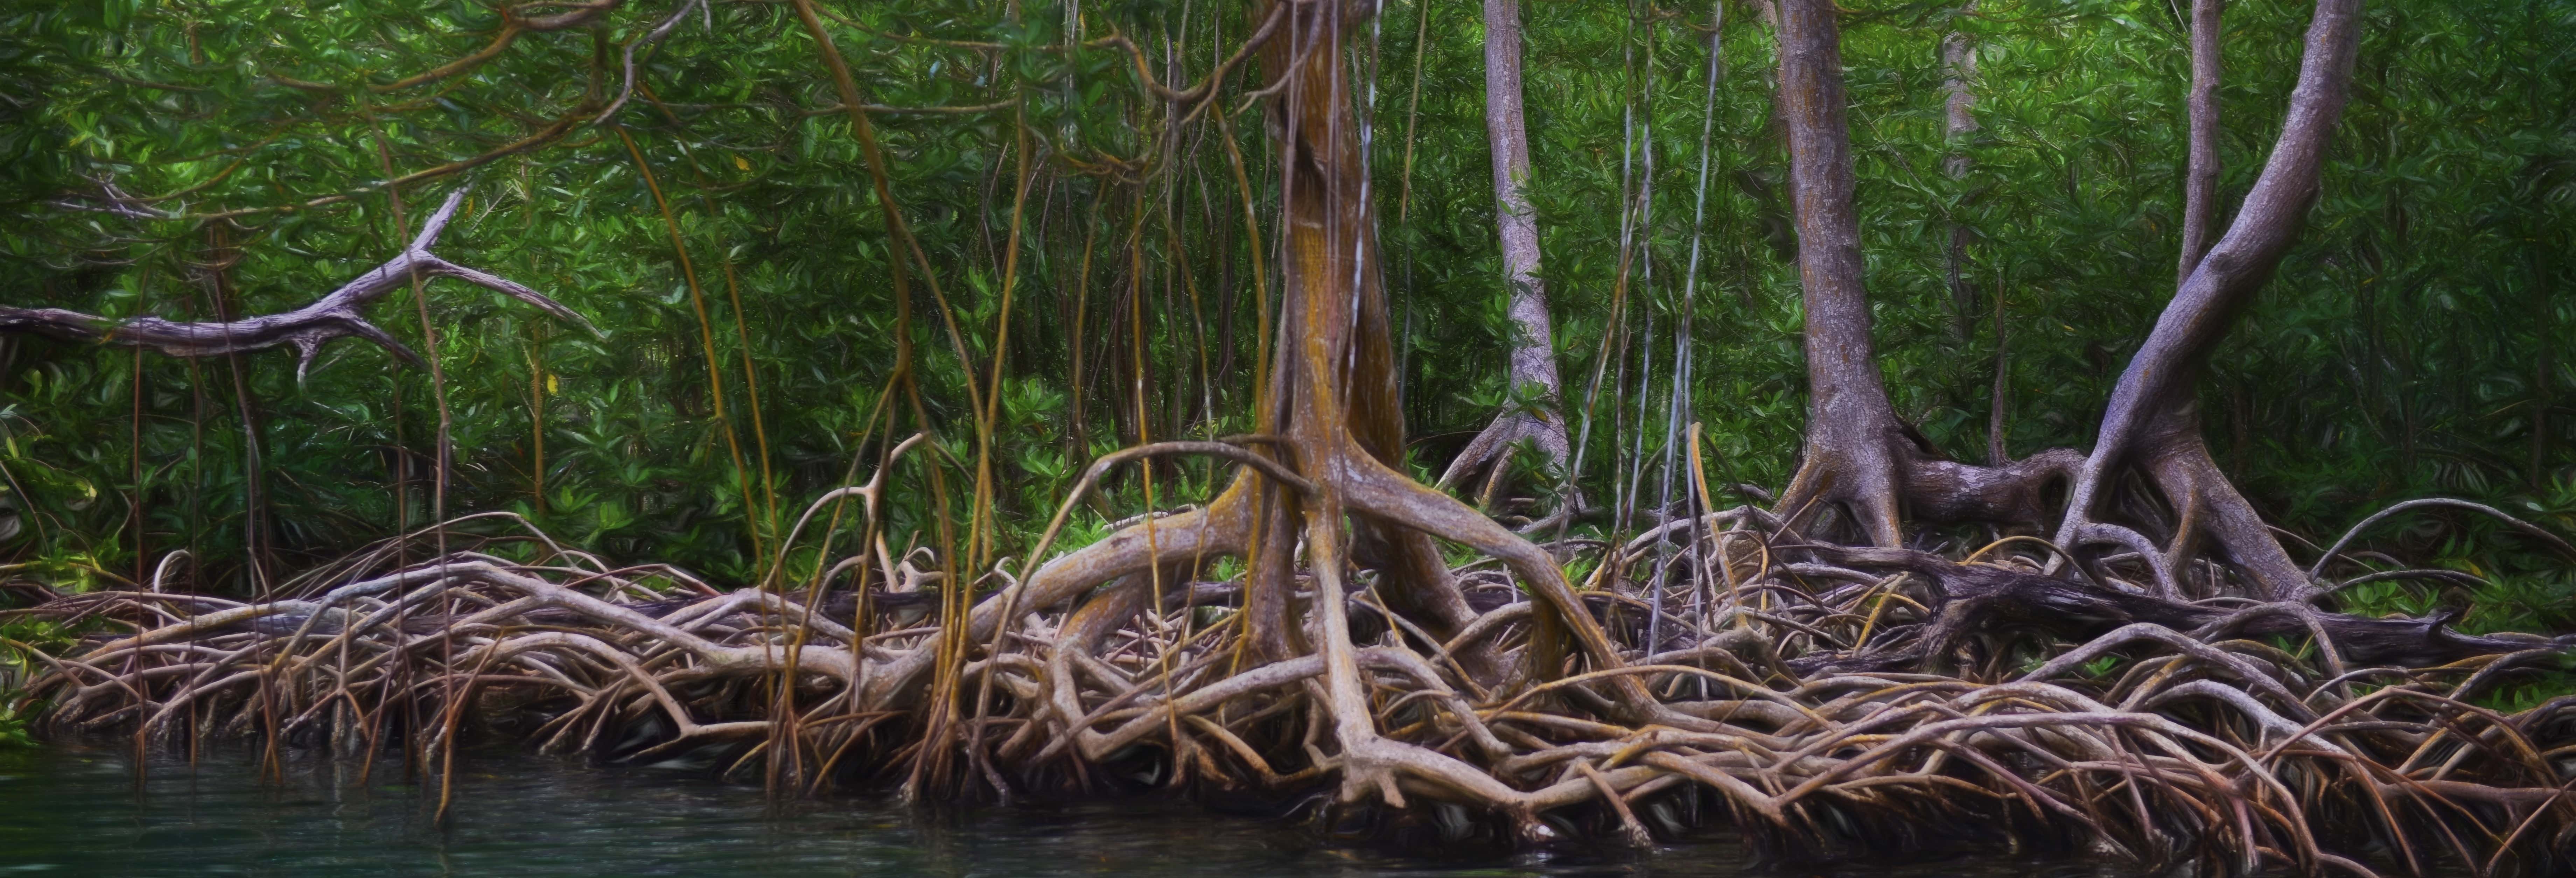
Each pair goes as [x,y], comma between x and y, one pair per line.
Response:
[1851,429]
[1858,455]
[2200,180]
[1958,105]
[2153,419]
[1533,371]
[340,314]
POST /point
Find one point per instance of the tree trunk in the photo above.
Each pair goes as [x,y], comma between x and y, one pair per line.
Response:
[2153,420]
[1332,406]
[1532,414]
[1330,415]
[1851,430]
[1959,100]
[2200,180]
[1858,455]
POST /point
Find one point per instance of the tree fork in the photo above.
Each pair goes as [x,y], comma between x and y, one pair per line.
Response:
[1331,410]
[1858,454]
[337,315]
[2152,420]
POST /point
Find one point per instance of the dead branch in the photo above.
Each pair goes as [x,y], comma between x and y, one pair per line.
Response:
[342,314]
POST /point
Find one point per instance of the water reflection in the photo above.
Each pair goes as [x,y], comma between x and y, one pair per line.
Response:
[72,811]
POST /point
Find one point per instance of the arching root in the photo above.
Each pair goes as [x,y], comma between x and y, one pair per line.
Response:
[1827,696]
[1897,477]
[1489,454]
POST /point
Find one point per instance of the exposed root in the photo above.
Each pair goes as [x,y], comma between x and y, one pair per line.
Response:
[1883,476]
[1826,691]
[2207,507]
[1816,696]
[1490,453]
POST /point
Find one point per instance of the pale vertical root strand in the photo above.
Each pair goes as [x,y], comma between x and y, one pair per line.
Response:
[1346,703]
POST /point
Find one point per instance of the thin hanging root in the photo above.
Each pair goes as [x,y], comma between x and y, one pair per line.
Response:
[1802,706]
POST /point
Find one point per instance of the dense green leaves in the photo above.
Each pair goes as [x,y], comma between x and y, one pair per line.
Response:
[2407,347]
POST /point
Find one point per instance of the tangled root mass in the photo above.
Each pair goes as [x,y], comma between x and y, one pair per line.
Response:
[1809,694]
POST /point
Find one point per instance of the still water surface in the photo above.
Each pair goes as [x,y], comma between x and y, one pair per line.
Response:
[67,811]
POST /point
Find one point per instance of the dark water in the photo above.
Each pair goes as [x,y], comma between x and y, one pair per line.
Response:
[66,811]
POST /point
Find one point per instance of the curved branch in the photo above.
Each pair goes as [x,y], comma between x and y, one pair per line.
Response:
[510,31]
[2517,524]
[2153,395]
[340,314]
[627,90]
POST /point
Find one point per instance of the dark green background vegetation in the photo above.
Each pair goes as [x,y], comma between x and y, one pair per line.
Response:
[2407,348]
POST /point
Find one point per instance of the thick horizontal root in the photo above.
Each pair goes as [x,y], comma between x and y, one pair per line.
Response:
[1818,691]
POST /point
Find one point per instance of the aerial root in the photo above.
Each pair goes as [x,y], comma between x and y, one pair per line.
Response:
[1489,453]
[1820,691]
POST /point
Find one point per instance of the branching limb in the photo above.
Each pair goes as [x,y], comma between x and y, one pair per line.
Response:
[340,314]
[2151,420]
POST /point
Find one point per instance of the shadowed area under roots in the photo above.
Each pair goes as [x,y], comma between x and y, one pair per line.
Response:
[1816,698]
[531,816]
[1329,637]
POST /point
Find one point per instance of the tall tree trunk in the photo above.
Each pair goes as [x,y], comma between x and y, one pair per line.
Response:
[1852,432]
[2200,180]
[1958,103]
[1535,389]
[1332,406]
[2153,419]
[1858,456]
[1325,483]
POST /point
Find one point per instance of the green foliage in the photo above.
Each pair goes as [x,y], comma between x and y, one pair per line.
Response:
[20,638]
[2406,348]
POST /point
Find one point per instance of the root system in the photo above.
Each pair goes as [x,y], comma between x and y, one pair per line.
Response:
[1813,696]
